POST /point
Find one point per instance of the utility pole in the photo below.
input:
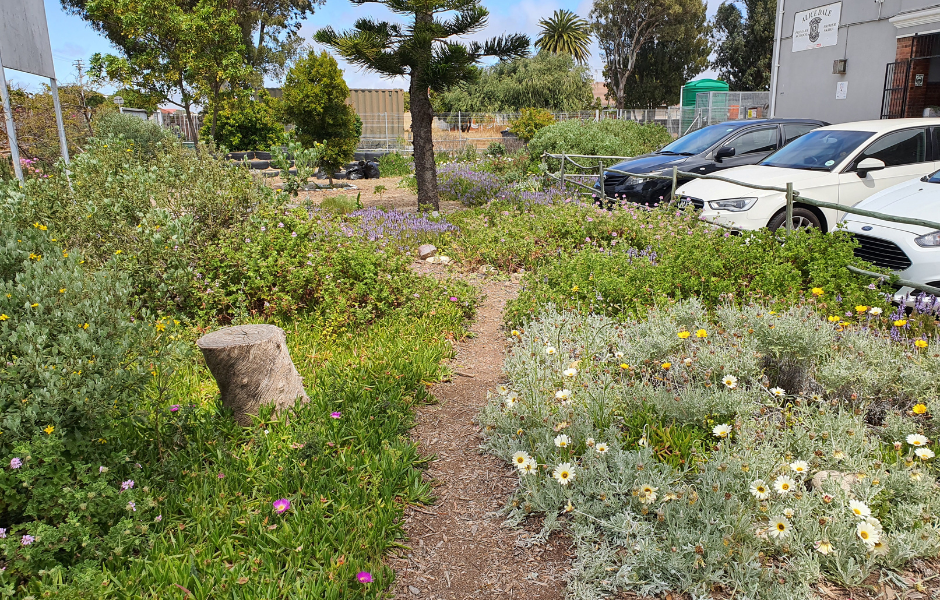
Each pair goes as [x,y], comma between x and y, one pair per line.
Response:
[79,66]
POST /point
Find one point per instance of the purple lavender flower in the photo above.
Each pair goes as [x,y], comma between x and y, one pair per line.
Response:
[126,485]
[16,463]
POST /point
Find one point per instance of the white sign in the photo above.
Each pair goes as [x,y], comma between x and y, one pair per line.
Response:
[817,27]
[24,37]
[842,90]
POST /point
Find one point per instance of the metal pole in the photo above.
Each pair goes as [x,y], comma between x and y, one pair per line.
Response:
[563,170]
[11,127]
[675,175]
[789,207]
[459,132]
[601,180]
[386,132]
[63,143]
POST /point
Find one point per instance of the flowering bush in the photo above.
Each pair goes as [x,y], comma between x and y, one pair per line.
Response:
[797,449]
[460,182]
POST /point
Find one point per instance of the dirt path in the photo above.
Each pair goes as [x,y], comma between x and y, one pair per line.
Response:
[460,549]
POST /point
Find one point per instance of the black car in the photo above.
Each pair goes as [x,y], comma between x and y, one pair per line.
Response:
[704,151]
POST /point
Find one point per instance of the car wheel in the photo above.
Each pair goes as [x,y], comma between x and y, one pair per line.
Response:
[802,219]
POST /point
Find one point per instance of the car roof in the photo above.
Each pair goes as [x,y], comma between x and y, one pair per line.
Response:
[883,125]
[746,122]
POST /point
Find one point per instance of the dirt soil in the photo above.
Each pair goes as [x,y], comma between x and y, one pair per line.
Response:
[460,547]
[394,197]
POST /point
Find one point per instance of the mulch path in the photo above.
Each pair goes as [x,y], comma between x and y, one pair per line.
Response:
[460,547]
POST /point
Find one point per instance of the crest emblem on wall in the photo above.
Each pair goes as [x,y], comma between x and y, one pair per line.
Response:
[814,29]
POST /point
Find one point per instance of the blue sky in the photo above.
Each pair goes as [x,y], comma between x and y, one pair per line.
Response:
[72,39]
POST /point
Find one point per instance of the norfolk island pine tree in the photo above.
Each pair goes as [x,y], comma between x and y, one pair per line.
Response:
[423,51]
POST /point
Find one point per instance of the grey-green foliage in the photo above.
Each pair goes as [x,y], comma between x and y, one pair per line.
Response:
[552,81]
[608,137]
[146,135]
[705,527]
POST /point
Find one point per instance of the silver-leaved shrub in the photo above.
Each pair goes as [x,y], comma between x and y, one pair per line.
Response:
[740,451]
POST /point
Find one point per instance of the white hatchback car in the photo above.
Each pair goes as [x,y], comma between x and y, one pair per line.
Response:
[912,251]
[842,164]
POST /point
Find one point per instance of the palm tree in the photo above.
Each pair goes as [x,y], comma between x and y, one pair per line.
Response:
[565,33]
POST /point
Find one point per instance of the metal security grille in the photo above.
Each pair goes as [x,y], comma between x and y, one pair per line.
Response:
[894,101]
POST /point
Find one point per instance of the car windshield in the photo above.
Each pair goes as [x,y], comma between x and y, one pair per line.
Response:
[699,141]
[819,150]
[933,177]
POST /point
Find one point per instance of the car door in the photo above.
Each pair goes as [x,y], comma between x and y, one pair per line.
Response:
[750,147]
[906,155]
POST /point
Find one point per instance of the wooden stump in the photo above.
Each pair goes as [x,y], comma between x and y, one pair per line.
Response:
[252,365]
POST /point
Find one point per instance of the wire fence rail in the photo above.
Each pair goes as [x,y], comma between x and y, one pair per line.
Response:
[792,197]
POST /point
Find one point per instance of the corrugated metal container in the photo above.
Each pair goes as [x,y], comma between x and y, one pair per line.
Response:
[370,102]
[382,113]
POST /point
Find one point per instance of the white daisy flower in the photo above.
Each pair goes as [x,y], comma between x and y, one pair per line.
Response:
[589,442]
[601,448]
[563,395]
[529,467]
[924,453]
[824,547]
[859,509]
[778,392]
[799,466]
[788,513]
[730,381]
[917,476]
[503,390]
[550,350]
[520,458]
[874,311]
[570,372]
[722,430]
[779,527]
[759,489]
[563,473]
[647,494]
[916,440]
[867,533]
[562,441]
[880,548]
[510,401]
[618,354]
[784,485]
[838,455]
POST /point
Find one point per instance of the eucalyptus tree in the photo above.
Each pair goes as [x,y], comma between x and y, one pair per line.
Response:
[565,33]
[427,51]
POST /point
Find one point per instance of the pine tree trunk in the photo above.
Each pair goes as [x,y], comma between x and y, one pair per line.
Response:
[252,365]
[422,116]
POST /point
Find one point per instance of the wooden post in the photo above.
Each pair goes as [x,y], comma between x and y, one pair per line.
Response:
[790,207]
[563,160]
[252,365]
[675,175]
[601,180]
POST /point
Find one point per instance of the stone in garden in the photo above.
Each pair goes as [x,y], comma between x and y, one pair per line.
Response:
[252,365]
[845,479]
[426,251]
[443,259]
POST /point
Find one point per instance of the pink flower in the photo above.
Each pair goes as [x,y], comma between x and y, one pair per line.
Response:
[364,577]
[27,540]
[221,475]
[16,463]
[453,298]
[336,414]
[281,506]
[126,485]
[174,408]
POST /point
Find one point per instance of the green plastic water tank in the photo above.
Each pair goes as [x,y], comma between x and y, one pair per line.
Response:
[688,97]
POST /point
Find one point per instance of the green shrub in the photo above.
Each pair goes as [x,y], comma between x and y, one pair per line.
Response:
[608,137]
[495,149]
[530,121]
[394,164]
[6,169]
[678,432]
[342,204]
[147,136]
[245,124]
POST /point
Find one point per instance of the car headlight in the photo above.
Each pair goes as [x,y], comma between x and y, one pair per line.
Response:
[930,240]
[634,180]
[732,204]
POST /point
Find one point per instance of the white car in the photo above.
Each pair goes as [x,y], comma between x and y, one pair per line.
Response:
[843,164]
[912,251]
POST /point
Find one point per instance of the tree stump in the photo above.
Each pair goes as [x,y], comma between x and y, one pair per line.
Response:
[252,365]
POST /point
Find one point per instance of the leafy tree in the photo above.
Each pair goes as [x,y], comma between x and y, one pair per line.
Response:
[270,29]
[625,27]
[530,121]
[565,33]
[744,44]
[551,81]
[424,50]
[670,60]
[247,123]
[315,102]
[138,99]
[173,51]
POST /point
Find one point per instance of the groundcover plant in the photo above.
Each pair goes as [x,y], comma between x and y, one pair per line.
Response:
[740,451]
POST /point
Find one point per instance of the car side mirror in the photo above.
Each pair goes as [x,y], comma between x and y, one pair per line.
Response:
[724,152]
[868,165]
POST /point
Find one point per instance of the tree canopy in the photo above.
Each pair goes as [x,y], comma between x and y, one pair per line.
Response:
[552,81]
[565,33]
[744,43]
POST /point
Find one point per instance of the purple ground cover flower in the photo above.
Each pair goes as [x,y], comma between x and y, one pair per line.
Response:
[16,463]
[174,408]
[126,485]
[281,506]
[336,414]
[364,577]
